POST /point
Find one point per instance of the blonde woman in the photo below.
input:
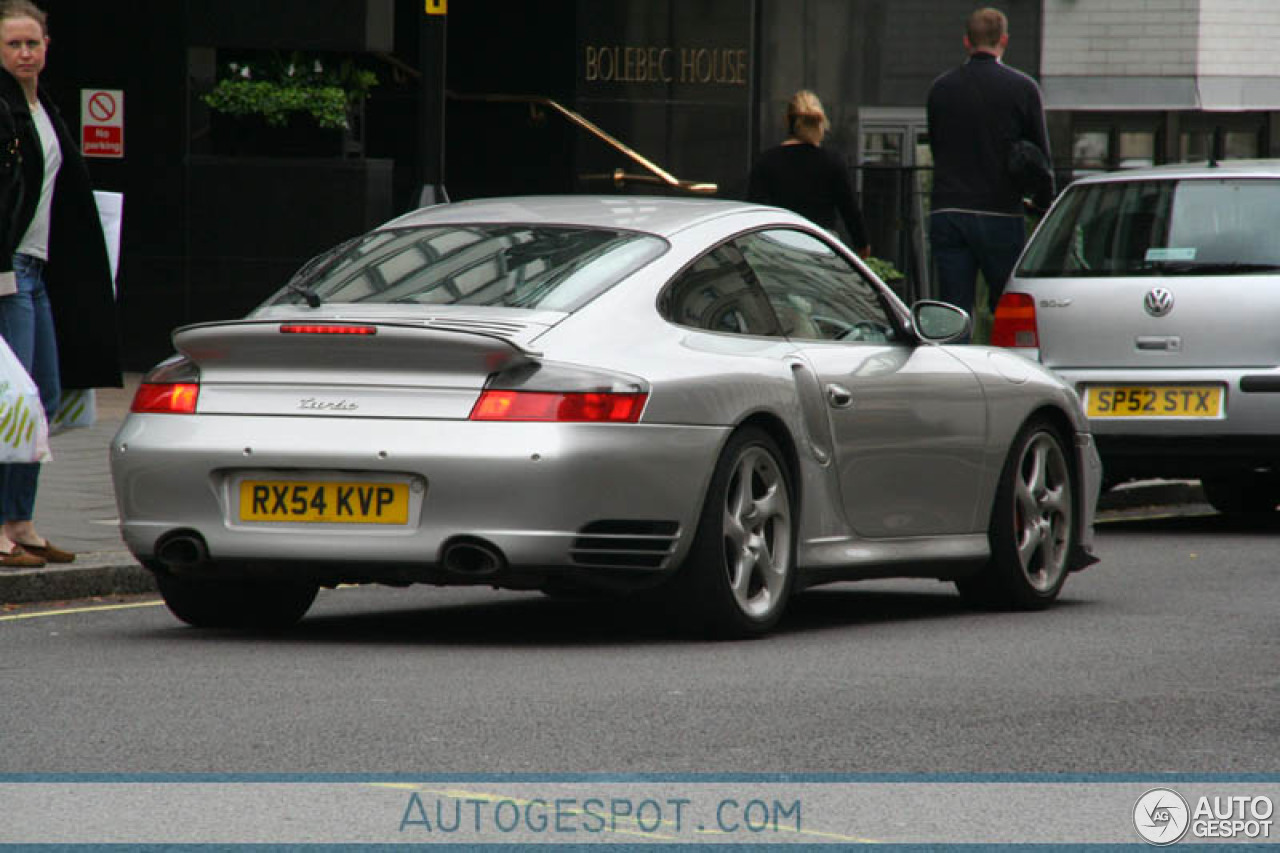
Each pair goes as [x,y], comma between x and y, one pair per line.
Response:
[803,177]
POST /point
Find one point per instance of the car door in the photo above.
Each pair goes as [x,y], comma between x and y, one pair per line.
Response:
[907,421]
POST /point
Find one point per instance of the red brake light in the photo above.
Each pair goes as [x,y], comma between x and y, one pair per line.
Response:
[170,398]
[594,407]
[326,329]
[1015,322]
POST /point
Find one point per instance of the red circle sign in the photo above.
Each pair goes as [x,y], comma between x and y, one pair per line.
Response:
[102,106]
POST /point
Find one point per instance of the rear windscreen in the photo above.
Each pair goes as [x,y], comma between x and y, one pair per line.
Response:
[1159,227]
[514,266]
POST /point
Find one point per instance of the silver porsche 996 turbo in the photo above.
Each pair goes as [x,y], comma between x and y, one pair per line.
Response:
[711,403]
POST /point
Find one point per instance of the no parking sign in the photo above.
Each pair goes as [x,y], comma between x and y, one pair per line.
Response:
[102,123]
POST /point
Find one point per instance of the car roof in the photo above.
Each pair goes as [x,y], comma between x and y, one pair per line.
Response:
[658,215]
[1179,171]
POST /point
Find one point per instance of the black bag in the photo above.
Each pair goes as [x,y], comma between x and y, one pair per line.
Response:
[1029,169]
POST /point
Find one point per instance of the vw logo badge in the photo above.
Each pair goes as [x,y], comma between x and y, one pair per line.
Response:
[1158,302]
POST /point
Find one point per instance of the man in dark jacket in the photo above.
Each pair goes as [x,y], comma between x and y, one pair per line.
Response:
[975,113]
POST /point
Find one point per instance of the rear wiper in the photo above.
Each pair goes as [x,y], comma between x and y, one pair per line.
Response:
[313,299]
[1210,267]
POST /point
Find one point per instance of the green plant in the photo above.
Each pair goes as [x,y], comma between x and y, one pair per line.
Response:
[278,86]
[884,269]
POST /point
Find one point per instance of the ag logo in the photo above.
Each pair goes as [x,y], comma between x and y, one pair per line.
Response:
[1158,302]
[1161,816]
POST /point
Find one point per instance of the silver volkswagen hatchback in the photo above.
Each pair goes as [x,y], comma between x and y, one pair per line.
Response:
[1156,294]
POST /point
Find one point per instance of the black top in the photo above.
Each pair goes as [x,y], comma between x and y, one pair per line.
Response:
[970,132]
[78,274]
[811,181]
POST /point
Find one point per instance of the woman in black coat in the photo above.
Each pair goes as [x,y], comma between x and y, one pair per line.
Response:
[53,264]
[805,178]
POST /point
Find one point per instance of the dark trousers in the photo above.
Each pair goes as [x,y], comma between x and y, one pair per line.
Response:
[964,243]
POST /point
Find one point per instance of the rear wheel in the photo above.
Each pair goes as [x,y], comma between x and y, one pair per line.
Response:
[235,604]
[1242,492]
[739,572]
[1032,529]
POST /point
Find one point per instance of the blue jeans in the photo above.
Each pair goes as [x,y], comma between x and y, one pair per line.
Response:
[26,323]
[964,243]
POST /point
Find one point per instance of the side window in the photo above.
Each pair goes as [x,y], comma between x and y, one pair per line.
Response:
[816,293]
[718,294]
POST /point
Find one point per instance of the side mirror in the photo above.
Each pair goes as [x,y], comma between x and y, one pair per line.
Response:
[939,322]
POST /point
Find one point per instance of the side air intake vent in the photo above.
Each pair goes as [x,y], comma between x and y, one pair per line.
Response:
[620,544]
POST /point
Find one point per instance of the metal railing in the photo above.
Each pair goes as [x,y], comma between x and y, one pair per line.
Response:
[656,175]
[895,208]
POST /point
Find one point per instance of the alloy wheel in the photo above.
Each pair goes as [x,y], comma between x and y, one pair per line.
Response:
[1043,512]
[757,532]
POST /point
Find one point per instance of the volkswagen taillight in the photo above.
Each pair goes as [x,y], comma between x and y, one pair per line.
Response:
[1015,322]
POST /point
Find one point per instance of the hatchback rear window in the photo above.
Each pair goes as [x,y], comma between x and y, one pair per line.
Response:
[1160,227]
[513,266]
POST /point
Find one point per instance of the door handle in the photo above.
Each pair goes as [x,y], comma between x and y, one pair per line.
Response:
[839,396]
[1170,343]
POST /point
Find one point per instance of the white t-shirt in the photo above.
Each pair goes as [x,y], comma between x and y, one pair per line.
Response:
[36,241]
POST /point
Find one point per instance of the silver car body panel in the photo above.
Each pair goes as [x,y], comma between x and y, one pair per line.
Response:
[528,488]
[903,414]
[1215,321]
[901,482]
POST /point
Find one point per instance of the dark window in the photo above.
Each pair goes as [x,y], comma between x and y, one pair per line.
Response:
[514,266]
[1127,228]
[719,294]
[816,293]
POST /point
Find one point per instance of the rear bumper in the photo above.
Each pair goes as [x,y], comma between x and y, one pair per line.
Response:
[549,497]
[1247,434]
[1185,457]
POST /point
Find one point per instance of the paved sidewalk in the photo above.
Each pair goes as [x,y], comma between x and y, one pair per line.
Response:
[76,510]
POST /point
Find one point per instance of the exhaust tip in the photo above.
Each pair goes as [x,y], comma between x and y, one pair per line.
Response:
[182,550]
[472,557]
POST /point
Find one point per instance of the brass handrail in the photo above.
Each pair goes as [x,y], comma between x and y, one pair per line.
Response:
[619,177]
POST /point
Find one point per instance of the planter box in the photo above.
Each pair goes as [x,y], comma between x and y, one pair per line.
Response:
[251,136]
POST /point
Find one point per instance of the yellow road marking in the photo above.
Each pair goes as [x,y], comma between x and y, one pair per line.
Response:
[95,609]
[101,607]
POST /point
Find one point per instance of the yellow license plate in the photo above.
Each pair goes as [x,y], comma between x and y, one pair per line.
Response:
[1154,401]
[324,501]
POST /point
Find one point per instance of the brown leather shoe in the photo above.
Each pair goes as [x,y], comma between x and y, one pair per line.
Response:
[48,552]
[19,558]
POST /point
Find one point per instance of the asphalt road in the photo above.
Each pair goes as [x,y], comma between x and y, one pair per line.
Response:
[1160,658]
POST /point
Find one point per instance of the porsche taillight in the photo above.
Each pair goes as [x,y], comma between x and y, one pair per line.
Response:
[171,388]
[562,407]
[167,398]
[1015,322]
